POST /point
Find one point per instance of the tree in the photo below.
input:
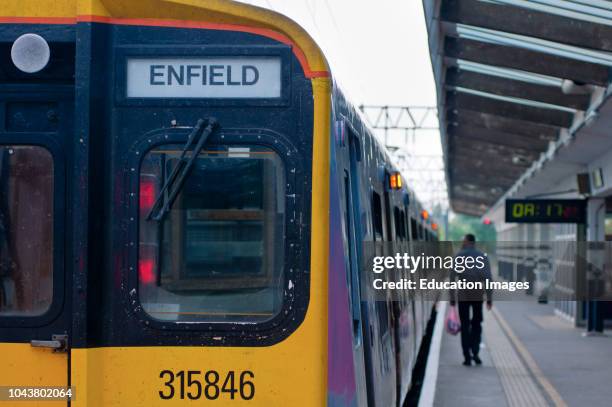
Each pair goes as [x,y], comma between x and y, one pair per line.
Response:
[461,225]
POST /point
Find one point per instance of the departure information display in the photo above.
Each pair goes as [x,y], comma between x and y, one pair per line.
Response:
[545,211]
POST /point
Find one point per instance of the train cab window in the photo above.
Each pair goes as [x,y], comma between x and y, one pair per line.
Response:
[377,218]
[218,254]
[26,230]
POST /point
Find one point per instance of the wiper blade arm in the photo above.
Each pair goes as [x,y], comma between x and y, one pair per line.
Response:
[174,183]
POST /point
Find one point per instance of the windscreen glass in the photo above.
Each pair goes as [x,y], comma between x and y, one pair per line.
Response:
[218,254]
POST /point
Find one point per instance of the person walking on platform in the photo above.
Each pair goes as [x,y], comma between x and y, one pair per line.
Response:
[476,270]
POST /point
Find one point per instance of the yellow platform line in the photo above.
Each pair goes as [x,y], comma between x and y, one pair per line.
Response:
[530,362]
[520,387]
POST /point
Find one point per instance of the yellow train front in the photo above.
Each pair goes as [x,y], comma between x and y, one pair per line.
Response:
[181,211]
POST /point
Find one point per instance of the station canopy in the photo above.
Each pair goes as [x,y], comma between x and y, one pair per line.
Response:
[514,78]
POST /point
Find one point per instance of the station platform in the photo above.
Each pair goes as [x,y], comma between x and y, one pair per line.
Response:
[531,357]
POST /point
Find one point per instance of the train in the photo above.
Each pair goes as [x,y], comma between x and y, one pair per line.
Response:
[187,198]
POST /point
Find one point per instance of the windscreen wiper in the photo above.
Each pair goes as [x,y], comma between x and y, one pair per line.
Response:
[174,183]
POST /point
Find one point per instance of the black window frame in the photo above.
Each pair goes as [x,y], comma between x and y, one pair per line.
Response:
[59,271]
[378,228]
[403,223]
[297,243]
[414,229]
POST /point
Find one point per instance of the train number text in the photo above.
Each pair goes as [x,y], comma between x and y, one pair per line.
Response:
[212,385]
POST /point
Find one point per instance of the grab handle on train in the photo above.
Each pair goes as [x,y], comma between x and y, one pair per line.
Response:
[59,343]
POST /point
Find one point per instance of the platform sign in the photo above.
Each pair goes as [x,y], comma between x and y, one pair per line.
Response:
[204,77]
[545,211]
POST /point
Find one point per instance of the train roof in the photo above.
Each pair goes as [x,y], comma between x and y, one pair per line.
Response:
[211,14]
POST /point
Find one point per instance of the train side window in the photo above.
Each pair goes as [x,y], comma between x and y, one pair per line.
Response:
[414,230]
[218,255]
[353,269]
[397,220]
[377,218]
[608,220]
[383,316]
[26,230]
[403,225]
[406,222]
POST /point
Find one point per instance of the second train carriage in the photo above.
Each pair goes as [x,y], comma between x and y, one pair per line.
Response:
[185,200]
[369,207]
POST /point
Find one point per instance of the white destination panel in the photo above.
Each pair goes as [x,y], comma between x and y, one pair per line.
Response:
[204,78]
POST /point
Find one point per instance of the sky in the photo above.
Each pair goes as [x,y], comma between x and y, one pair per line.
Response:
[379,54]
[377,49]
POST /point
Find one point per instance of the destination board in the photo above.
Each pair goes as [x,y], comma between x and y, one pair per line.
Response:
[204,77]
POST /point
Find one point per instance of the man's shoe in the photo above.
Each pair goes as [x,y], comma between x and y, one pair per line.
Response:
[467,362]
[477,360]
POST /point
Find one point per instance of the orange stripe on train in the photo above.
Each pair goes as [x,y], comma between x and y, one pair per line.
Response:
[154,22]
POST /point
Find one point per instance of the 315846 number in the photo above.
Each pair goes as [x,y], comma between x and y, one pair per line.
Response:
[195,384]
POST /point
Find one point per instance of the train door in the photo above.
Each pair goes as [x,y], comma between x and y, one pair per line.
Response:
[34,281]
[409,321]
[397,302]
[392,216]
[386,347]
[354,233]
[416,247]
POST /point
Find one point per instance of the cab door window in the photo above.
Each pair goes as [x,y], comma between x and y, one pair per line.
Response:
[26,230]
[218,255]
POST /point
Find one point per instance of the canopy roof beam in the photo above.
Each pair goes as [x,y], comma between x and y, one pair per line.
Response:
[467,208]
[497,155]
[484,181]
[513,88]
[526,60]
[531,23]
[476,162]
[552,117]
[534,131]
[475,196]
[472,134]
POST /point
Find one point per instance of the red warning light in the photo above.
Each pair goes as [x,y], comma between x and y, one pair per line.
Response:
[146,269]
[147,194]
[486,221]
